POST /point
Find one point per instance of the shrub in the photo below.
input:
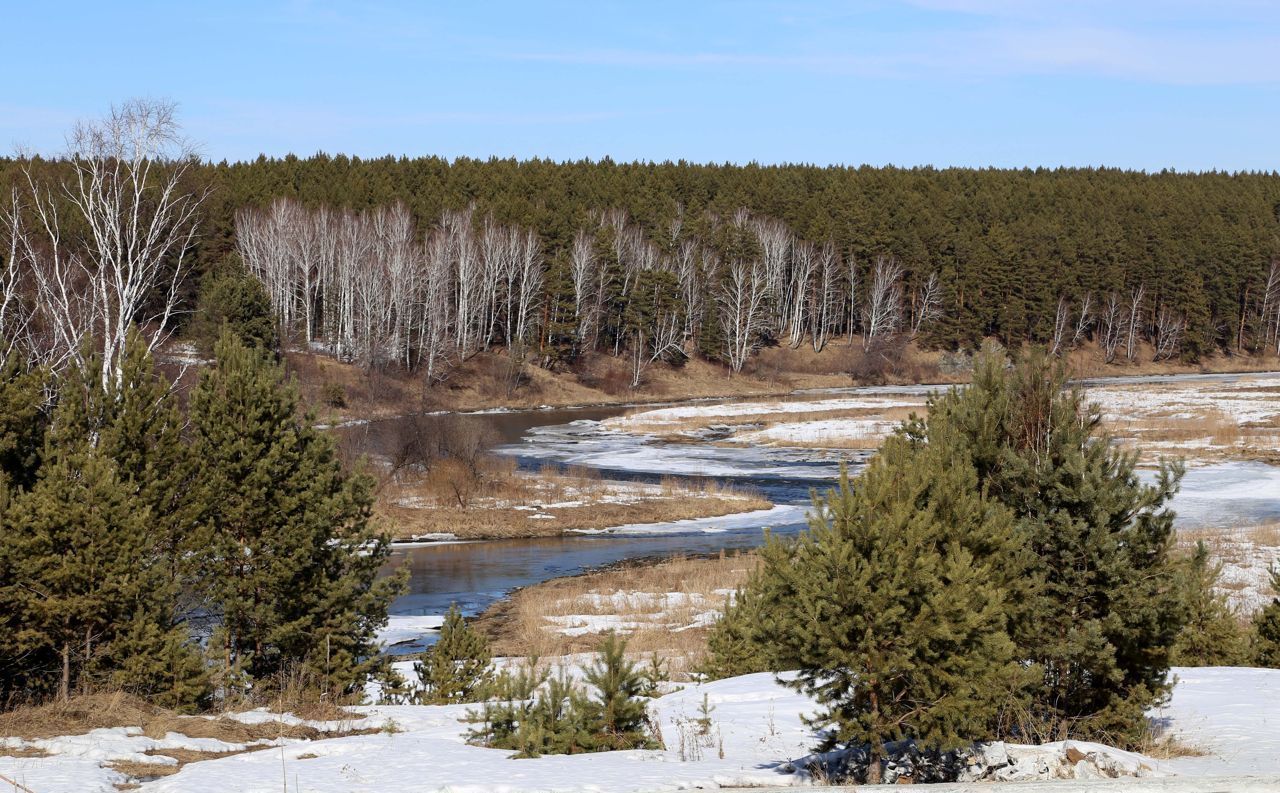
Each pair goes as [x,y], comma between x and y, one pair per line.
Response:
[1212,635]
[457,668]
[1266,626]
[537,715]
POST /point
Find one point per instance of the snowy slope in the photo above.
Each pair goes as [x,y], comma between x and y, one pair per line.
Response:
[755,728]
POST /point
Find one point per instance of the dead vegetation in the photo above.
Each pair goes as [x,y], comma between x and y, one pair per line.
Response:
[81,714]
[441,479]
[548,504]
[665,608]
[754,428]
[87,712]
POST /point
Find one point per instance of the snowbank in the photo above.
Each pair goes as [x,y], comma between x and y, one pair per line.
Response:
[755,731]
[407,628]
[778,515]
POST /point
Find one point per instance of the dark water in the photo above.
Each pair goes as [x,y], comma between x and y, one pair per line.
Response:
[474,575]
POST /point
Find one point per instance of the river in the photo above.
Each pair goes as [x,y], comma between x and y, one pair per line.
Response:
[476,574]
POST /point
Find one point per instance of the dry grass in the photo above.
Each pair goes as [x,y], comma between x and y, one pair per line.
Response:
[506,503]
[1168,747]
[84,713]
[139,772]
[520,625]
[88,712]
[686,428]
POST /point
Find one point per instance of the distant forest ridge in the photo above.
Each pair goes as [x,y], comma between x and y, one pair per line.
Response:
[654,260]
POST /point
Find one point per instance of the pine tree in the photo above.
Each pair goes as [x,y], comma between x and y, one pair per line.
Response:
[734,647]
[289,559]
[893,606]
[230,296]
[1266,628]
[457,667]
[1212,635]
[23,421]
[140,429]
[1106,606]
[94,597]
[619,714]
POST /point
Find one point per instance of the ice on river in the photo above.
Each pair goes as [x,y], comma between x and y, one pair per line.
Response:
[401,628]
[593,445]
[755,520]
[1226,495]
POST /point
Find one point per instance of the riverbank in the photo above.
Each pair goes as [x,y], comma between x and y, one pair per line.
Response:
[548,503]
[339,392]
[663,606]
[1200,420]
[668,605]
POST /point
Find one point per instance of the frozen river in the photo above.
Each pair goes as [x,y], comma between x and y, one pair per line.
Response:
[474,575]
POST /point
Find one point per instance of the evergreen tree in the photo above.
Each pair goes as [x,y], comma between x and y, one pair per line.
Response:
[1266,628]
[289,558]
[232,297]
[893,606]
[1212,635]
[23,421]
[549,720]
[733,646]
[1106,605]
[91,583]
[619,715]
[457,668]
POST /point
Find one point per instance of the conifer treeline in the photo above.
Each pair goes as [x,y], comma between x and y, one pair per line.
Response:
[1005,244]
[1180,261]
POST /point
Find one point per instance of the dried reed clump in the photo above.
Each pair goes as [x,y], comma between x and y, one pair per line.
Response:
[640,594]
[506,502]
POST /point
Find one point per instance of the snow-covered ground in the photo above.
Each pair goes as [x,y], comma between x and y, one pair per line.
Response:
[756,729]
[739,410]
[1214,416]
[836,432]
[778,514]
[406,628]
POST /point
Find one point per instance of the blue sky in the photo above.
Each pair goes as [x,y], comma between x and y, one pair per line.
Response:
[1135,84]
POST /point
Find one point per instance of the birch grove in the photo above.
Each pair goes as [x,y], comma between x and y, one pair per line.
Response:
[369,288]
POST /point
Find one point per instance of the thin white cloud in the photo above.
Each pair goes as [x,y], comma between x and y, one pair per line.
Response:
[1008,41]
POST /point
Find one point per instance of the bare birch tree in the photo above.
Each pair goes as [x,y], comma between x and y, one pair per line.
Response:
[926,300]
[1133,320]
[584,273]
[128,196]
[825,299]
[1169,325]
[1111,325]
[1061,321]
[741,299]
[882,306]
[1084,320]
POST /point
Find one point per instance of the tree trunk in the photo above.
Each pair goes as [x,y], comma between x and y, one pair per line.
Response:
[64,686]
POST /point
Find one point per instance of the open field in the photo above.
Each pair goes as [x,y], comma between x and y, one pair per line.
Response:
[509,503]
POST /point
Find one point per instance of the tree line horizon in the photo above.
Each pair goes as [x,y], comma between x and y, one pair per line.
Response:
[658,261]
